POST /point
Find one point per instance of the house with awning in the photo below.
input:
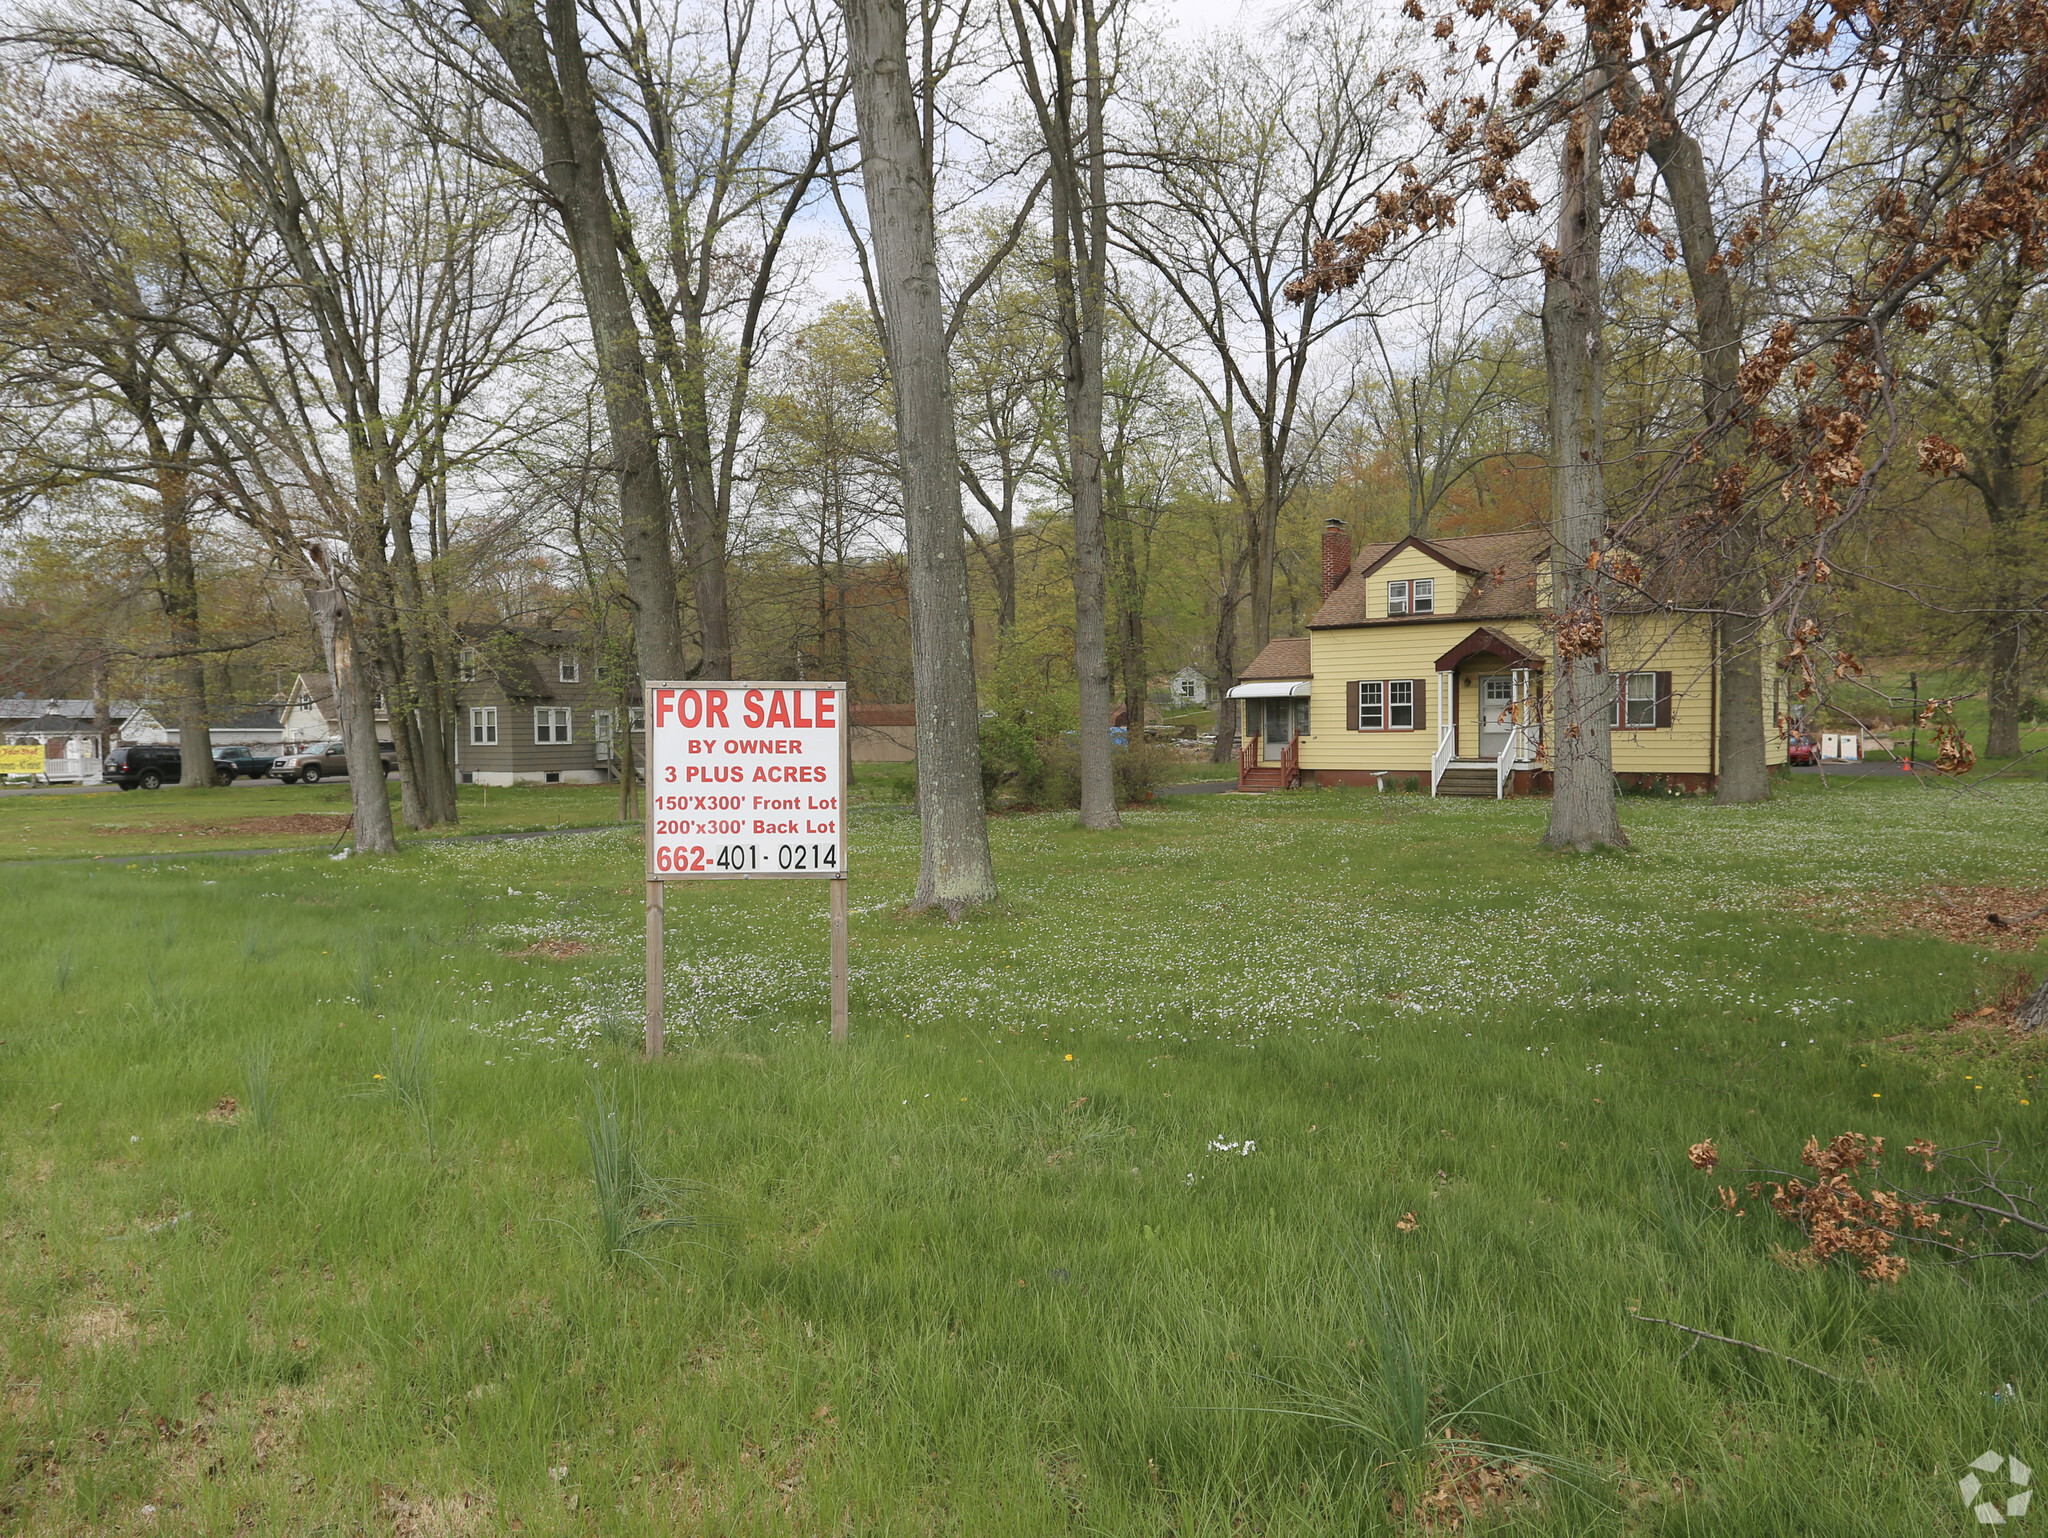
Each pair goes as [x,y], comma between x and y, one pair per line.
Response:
[1424,669]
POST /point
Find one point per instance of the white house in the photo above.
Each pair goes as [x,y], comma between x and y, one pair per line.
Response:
[309,714]
[1188,688]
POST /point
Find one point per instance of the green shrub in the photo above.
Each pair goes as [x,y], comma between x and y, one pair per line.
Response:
[1009,756]
[1136,771]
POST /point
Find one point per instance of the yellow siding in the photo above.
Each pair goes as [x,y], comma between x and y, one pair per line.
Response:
[1383,651]
[1451,585]
[1682,647]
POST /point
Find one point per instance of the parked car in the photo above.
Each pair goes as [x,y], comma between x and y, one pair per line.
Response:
[319,761]
[152,765]
[1802,749]
[243,763]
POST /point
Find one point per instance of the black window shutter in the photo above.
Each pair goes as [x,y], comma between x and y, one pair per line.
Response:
[1663,699]
[1351,707]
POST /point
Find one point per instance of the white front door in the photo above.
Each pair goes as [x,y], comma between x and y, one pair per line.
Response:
[1496,713]
[1279,729]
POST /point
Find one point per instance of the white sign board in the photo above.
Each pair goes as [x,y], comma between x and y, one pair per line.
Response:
[745,779]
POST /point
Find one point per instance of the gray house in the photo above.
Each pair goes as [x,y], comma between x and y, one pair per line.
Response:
[530,708]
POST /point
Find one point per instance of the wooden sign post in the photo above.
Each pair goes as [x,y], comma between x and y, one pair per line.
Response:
[745,780]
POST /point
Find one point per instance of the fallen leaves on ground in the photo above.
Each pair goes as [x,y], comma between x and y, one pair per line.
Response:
[2002,917]
[1467,1489]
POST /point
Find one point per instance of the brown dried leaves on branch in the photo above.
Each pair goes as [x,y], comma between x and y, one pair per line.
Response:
[1841,1209]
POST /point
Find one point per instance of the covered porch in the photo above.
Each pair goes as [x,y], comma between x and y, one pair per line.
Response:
[1275,720]
[1490,715]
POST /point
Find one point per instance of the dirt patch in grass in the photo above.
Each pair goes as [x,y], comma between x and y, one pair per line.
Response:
[224,1110]
[294,822]
[2002,917]
[551,950]
[103,1324]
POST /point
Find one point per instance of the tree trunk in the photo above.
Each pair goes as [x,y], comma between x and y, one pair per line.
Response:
[564,116]
[1742,773]
[1224,650]
[1091,551]
[181,612]
[622,745]
[955,870]
[2033,1014]
[1080,263]
[1583,814]
[355,698]
[2002,690]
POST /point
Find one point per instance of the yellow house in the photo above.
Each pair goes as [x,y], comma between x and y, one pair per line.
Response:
[1425,667]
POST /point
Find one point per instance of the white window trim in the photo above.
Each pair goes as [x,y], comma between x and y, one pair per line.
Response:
[465,665]
[601,725]
[483,726]
[1401,587]
[568,670]
[1620,721]
[1420,602]
[1390,704]
[545,719]
[1380,704]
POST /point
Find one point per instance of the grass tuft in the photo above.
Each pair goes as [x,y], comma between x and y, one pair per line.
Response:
[632,1203]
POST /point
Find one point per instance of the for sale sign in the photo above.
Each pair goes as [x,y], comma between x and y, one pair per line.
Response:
[745,779]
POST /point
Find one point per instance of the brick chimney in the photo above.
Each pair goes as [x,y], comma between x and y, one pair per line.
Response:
[1336,554]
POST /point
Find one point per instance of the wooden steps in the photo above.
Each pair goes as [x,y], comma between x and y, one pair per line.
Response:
[1461,780]
[1264,777]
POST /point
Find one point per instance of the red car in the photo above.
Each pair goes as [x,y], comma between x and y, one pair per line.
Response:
[1802,750]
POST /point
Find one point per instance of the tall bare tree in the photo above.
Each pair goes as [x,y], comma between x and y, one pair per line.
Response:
[1059,47]
[955,871]
[123,289]
[1583,811]
[1244,156]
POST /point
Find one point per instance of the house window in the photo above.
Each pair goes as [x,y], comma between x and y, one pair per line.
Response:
[1372,706]
[1639,703]
[465,665]
[1423,593]
[601,725]
[1401,705]
[633,718]
[569,670]
[1397,599]
[550,724]
[483,726]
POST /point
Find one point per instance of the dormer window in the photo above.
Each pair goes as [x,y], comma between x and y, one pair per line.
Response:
[1422,595]
[1397,599]
[570,671]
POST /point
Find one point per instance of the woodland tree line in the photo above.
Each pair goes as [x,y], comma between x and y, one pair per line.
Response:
[1004,354]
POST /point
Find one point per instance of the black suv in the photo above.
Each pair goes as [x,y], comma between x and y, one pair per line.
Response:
[152,765]
[252,763]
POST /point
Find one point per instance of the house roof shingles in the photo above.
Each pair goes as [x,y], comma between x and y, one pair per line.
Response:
[1506,588]
[1286,658]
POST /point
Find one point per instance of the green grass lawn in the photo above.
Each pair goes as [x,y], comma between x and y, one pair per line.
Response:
[1110,1182]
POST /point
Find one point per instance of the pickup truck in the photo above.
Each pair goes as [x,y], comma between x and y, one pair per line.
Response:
[242,763]
[319,761]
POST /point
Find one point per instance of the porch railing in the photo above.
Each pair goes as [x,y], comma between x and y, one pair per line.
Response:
[1446,738]
[1290,762]
[1504,763]
[1247,757]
